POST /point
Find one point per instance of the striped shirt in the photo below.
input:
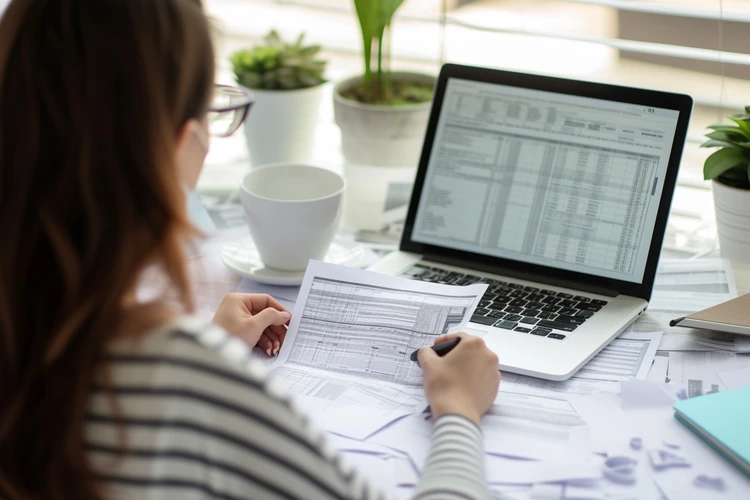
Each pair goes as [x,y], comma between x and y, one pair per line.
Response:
[197,420]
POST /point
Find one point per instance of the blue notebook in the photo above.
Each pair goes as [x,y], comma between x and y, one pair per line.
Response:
[722,420]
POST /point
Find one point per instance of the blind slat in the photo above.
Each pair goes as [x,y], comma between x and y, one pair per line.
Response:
[641,47]
[672,9]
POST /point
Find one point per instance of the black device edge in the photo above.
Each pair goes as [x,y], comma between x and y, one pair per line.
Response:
[681,103]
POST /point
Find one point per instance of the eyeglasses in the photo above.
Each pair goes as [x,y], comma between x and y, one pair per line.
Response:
[229,108]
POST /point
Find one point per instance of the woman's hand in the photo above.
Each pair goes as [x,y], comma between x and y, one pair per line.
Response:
[464,381]
[258,319]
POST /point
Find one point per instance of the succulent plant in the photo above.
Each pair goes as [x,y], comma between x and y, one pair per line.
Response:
[277,65]
[730,164]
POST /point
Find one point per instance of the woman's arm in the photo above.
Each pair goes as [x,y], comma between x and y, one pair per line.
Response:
[455,465]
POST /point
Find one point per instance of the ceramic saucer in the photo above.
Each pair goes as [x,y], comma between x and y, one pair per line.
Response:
[242,257]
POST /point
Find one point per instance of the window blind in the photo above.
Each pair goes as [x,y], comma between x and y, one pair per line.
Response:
[687,46]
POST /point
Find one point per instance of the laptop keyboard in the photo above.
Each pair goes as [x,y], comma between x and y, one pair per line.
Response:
[511,306]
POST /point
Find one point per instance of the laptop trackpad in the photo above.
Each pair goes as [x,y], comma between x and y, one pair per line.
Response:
[475,332]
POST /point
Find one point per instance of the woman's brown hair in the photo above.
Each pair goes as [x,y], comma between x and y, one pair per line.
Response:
[93,94]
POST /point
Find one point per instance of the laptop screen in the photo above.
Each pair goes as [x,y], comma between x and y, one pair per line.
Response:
[562,181]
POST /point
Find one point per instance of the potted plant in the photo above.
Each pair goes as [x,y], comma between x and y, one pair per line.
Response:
[382,114]
[287,81]
[729,168]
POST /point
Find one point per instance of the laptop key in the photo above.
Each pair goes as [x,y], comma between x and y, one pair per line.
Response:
[549,299]
[481,311]
[568,303]
[518,294]
[585,314]
[535,297]
[483,320]
[542,332]
[515,285]
[581,299]
[548,292]
[508,325]
[530,312]
[497,306]
[566,327]
[599,302]
[590,307]
[531,289]
[513,309]
[484,302]
[518,302]
[522,329]
[546,315]
[564,295]
[573,320]
[501,299]
[552,309]
[513,317]
[556,336]
[496,282]
[496,314]
[567,311]
[528,320]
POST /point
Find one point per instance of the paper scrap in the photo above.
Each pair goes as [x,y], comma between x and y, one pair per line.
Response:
[643,394]
[502,470]
[735,379]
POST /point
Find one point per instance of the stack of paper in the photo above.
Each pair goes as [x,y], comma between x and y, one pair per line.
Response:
[346,358]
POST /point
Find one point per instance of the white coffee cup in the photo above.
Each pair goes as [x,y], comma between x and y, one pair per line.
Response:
[293,211]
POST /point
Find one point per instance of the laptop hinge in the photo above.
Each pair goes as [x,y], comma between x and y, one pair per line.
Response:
[515,273]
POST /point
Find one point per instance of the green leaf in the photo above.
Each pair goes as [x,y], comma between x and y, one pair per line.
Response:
[310,51]
[742,120]
[388,9]
[713,143]
[730,129]
[725,136]
[367,13]
[722,160]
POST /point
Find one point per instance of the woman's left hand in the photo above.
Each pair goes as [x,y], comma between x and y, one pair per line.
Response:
[258,319]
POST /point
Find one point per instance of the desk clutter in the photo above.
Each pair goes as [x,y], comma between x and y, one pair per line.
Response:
[609,431]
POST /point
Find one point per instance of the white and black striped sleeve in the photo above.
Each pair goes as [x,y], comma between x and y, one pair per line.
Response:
[455,465]
[198,426]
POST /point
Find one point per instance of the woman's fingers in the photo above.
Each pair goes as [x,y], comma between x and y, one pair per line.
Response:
[266,345]
[258,301]
[275,340]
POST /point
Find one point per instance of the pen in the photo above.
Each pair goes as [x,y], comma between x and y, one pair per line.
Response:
[440,349]
[676,321]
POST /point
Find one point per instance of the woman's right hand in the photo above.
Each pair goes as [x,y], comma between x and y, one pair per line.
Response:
[464,381]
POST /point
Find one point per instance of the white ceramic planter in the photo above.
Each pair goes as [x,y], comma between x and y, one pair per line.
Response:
[281,125]
[382,136]
[732,221]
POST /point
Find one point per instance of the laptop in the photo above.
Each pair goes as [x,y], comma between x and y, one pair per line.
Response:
[556,194]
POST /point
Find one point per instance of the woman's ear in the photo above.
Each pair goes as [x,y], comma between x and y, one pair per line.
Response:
[191,150]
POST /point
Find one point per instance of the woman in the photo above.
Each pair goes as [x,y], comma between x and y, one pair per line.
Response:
[103,106]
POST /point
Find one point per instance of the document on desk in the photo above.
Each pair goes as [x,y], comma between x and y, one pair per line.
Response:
[628,356]
[698,372]
[526,426]
[346,354]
